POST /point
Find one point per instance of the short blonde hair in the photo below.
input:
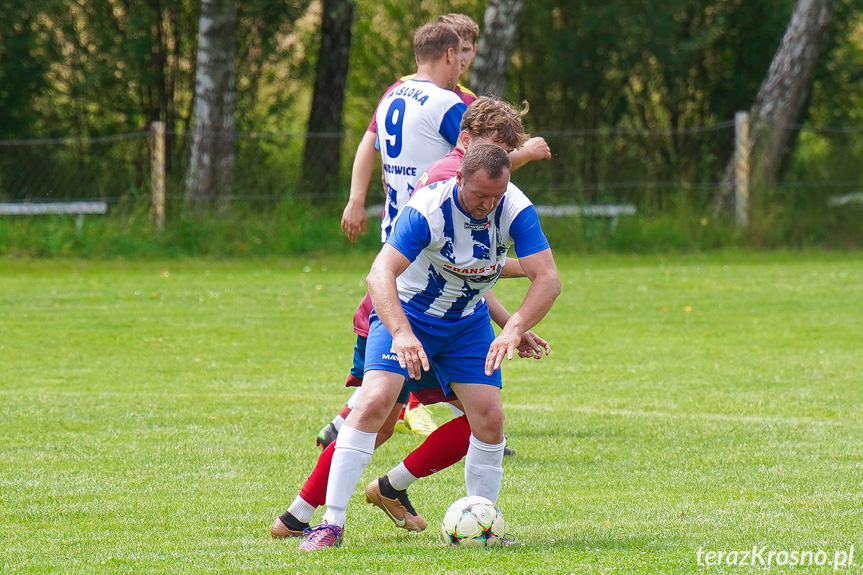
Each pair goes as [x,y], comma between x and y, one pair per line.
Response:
[432,41]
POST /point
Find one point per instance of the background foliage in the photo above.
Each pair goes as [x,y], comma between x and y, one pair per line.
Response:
[635,98]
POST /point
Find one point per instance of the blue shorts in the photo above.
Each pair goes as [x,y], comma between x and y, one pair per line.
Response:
[426,389]
[456,348]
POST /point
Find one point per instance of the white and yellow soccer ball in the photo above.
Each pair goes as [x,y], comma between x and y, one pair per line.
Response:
[473,522]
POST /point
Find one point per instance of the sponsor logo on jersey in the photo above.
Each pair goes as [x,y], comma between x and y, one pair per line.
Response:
[480,279]
[478,227]
[472,271]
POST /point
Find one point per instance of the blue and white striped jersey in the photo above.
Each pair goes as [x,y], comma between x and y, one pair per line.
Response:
[418,124]
[454,258]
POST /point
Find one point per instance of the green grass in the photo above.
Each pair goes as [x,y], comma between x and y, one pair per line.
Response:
[156,416]
[288,228]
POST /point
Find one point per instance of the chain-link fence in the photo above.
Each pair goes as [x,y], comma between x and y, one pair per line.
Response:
[649,169]
[67,169]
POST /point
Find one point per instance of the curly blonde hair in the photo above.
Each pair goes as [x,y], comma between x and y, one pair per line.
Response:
[489,117]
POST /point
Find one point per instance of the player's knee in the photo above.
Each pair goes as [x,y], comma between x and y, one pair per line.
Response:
[494,417]
[489,426]
[369,411]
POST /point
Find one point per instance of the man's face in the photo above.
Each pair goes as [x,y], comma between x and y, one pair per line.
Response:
[467,52]
[479,195]
[455,67]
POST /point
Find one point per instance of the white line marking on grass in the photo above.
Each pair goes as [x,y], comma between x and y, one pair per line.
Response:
[683,415]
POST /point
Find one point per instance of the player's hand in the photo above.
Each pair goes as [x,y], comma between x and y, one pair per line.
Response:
[354,220]
[537,149]
[411,354]
[503,346]
[533,346]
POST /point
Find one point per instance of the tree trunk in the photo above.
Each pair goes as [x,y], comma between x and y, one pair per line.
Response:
[782,96]
[496,45]
[212,159]
[322,155]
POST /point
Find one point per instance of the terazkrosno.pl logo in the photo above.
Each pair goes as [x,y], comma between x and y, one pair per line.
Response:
[763,556]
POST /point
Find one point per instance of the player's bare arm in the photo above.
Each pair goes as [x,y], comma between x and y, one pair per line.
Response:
[354,214]
[512,269]
[544,289]
[531,344]
[388,265]
[534,149]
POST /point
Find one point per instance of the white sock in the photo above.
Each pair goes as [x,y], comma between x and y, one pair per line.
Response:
[353,453]
[352,400]
[338,420]
[301,509]
[400,478]
[456,412]
[483,468]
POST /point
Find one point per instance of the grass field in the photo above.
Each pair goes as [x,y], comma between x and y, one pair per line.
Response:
[155,418]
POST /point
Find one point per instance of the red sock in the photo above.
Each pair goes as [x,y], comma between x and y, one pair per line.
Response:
[314,490]
[413,402]
[446,445]
[345,411]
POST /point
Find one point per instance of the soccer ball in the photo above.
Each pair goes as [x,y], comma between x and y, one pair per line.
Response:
[472,522]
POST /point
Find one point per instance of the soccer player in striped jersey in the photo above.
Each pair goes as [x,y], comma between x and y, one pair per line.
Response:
[414,418]
[447,250]
[354,218]
[485,121]
[354,215]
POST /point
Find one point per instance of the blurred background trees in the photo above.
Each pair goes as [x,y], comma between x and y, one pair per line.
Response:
[323,149]
[309,73]
[500,25]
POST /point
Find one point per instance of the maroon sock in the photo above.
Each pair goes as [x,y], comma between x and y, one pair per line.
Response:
[314,490]
[446,445]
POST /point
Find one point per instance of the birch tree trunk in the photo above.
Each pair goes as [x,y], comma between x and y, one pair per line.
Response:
[782,95]
[212,158]
[322,154]
[496,46]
